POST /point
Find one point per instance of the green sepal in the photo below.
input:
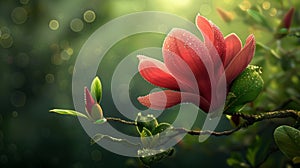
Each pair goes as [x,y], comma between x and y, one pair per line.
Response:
[96,113]
[146,138]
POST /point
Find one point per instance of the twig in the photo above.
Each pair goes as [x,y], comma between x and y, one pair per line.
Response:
[207,132]
[120,121]
[250,119]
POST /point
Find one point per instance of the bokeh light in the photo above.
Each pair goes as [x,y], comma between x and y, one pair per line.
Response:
[245,5]
[205,9]
[24,2]
[19,15]
[49,78]
[6,40]
[18,99]
[266,5]
[53,24]
[76,25]
[273,12]
[89,16]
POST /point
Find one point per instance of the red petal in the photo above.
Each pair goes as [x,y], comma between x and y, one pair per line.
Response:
[168,98]
[89,100]
[233,46]
[156,73]
[212,35]
[187,59]
[205,28]
[241,60]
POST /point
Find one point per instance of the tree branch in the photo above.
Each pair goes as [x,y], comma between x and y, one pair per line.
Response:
[250,119]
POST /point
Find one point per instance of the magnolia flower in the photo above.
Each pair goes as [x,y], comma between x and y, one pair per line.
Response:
[183,52]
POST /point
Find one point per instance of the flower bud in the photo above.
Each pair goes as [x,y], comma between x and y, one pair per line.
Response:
[96,89]
[244,89]
[149,122]
[284,27]
[96,113]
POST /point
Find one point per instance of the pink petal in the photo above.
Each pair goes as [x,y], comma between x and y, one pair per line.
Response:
[168,98]
[214,38]
[184,56]
[241,60]
[156,73]
[89,100]
[233,46]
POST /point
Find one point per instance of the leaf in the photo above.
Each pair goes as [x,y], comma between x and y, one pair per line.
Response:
[288,140]
[236,160]
[96,89]
[68,112]
[272,51]
[244,89]
[257,150]
[150,156]
[259,18]
[160,128]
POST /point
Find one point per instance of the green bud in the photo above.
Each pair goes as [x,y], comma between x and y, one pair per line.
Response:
[148,122]
[96,89]
[244,89]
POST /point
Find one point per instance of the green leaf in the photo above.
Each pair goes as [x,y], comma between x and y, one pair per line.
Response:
[100,121]
[150,156]
[288,140]
[236,161]
[148,122]
[244,89]
[68,112]
[160,128]
[259,18]
[96,89]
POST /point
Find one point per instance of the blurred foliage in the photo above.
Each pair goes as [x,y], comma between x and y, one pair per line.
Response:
[39,42]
